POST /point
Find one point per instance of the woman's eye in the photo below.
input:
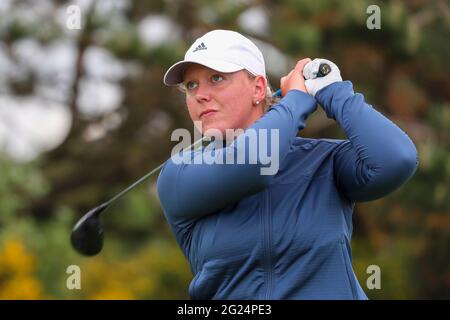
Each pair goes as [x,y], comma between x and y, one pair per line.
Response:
[216,78]
[191,85]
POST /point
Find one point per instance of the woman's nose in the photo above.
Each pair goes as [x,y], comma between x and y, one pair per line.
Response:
[203,93]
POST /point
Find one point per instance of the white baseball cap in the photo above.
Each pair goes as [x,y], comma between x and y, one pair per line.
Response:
[221,50]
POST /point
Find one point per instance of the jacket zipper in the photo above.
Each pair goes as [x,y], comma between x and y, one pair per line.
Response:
[267,245]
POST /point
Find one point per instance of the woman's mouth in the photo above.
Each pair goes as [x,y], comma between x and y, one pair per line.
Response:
[207,113]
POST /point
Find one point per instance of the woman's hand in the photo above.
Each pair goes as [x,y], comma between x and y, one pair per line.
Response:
[294,80]
[314,83]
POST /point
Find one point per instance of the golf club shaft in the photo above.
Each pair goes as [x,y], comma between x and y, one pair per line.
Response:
[117,196]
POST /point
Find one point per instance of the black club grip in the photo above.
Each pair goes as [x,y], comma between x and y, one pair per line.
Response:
[324,69]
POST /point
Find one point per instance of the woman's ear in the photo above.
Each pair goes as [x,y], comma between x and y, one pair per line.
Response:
[260,88]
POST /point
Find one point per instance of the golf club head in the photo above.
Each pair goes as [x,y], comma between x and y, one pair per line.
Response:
[87,234]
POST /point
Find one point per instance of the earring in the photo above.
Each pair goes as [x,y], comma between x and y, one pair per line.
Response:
[257,102]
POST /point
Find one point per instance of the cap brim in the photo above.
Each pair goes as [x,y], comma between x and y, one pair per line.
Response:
[175,73]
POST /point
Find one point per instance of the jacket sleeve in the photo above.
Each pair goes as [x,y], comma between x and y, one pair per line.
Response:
[378,156]
[191,190]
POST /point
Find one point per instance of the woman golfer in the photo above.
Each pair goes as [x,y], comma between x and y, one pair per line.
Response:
[285,234]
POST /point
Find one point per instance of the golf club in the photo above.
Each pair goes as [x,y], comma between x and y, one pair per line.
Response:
[87,234]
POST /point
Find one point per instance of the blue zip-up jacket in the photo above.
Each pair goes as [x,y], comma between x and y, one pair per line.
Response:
[285,236]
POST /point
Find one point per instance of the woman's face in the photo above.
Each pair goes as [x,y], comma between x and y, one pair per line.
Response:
[230,97]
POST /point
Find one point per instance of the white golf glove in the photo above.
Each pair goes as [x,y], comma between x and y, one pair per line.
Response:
[313,83]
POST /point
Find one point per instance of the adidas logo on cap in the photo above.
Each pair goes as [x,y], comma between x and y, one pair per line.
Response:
[201,46]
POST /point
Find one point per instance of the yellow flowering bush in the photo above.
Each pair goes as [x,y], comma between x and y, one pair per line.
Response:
[157,271]
[17,267]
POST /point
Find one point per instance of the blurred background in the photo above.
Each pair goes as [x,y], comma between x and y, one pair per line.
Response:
[84,113]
